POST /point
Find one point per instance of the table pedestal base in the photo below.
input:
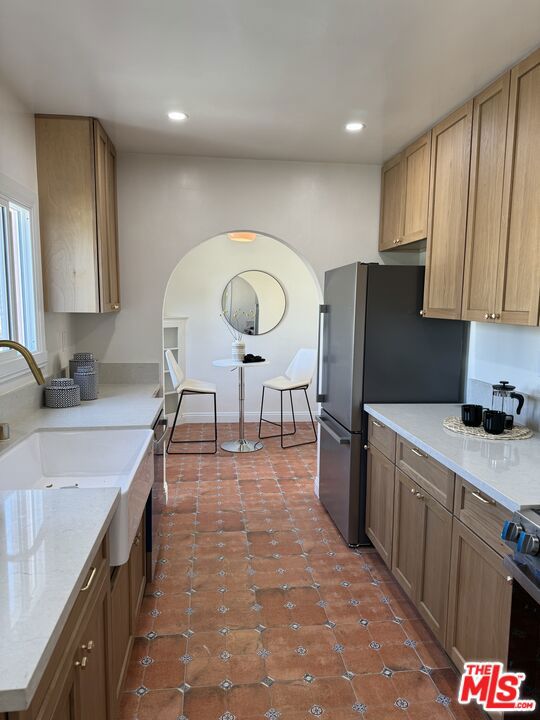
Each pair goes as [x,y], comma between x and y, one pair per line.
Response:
[241,446]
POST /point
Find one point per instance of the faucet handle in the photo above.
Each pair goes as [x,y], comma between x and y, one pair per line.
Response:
[4,431]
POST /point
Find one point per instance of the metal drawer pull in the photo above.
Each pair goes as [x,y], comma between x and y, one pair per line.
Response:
[377,424]
[486,501]
[81,664]
[90,580]
[417,452]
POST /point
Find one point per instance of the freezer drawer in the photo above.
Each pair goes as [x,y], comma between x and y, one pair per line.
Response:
[340,473]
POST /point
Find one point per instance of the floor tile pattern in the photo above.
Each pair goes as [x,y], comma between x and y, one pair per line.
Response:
[260,610]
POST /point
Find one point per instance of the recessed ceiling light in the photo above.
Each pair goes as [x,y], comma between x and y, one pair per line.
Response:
[242,236]
[177,116]
[354,126]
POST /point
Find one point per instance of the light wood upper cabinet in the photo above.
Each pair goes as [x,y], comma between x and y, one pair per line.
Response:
[479,601]
[490,116]
[380,503]
[77,210]
[518,286]
[392,203]
[447,216]
[416,162]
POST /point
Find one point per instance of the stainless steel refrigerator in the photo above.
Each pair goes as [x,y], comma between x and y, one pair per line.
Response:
[374,347]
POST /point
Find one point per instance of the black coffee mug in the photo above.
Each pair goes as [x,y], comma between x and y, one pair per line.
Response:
[494,421]
[471,415]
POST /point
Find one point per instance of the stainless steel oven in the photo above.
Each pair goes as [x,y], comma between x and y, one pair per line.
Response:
[157,498]
[522,534]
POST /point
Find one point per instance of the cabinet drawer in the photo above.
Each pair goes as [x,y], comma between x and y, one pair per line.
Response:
[433,477]
[382,437]
[481,514]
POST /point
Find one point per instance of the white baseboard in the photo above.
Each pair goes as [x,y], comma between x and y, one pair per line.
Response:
[232,417]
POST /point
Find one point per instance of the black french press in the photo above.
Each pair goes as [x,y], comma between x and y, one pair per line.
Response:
[505,392]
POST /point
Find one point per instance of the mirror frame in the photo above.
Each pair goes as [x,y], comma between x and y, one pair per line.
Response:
[282,290]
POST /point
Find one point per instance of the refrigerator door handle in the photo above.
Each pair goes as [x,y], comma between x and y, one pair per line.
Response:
[341,439]
[323,310]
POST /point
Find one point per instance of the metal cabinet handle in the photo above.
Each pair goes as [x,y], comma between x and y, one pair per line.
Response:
[81,664]
[422,313]
[338,438]
[413,491]
[377,424]
[323,310]
[418,453]
[115,306]
[486,501]
[90,580]
[509,579]
[88,647]
[486,316]
[420,496]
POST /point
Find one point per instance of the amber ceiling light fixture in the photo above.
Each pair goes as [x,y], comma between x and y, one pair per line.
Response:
[242,236]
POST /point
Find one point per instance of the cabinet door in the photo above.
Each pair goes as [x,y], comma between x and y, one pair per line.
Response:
[406,540]
[93,656]
[105,161]
[490,116]
[518,288]
[435,536]
[416,178]
[447,216]
[137,573]
[392,200]
[67,703]
[120,628]
[380,503]
[479,602]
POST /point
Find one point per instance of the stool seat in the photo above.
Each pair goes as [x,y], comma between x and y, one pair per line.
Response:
[196,386]
[283,383]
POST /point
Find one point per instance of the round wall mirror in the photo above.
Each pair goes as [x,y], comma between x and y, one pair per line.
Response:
[253,302]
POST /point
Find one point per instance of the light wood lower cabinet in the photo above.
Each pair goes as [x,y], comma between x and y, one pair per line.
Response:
[380,503]
[405,550]
[421,551]
[92,658]
[479,602]
[137,572]
[85,674]
[120,629]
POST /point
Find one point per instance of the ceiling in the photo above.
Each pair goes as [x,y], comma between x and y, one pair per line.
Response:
[261,78]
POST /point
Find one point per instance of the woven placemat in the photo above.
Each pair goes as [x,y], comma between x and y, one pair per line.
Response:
[518,432]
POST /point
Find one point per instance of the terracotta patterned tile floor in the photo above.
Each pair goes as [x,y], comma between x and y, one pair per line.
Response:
[260,610]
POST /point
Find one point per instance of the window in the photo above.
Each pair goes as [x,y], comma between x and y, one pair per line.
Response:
[21,305]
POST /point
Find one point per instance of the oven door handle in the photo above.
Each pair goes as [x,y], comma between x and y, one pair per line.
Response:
[517,574]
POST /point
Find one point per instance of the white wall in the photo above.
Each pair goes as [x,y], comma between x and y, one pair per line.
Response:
[195,291]
[328,213]
[18,162]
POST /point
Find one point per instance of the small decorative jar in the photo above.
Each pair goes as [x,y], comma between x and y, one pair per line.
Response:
[238,350]
[62,393]
[85,377]
[83,359]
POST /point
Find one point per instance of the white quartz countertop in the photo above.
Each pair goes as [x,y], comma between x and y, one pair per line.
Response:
[507,471]
[117,406]
[41,575]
